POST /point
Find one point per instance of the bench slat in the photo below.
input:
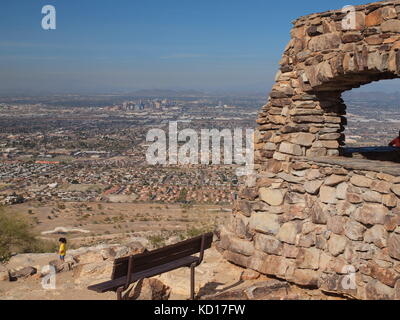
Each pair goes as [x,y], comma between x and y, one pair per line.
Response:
[161,256]
[113,285]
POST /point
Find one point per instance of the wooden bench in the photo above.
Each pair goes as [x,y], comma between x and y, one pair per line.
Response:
[128,270]
[373,153]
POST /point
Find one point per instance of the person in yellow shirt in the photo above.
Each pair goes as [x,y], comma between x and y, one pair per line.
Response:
[62,251]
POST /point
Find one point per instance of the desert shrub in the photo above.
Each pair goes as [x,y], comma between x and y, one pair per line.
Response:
[16,236]
[41,246]
[197,231]
[61,206]
[187,205]
[182,195]
[157,241]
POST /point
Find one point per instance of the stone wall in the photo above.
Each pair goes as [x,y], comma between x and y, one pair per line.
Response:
[308,215]
[307,221]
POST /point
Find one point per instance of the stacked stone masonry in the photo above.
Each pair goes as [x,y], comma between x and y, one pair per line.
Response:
[314,222]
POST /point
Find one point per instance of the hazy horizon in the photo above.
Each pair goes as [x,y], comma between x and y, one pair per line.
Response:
[392,89]
[103,47]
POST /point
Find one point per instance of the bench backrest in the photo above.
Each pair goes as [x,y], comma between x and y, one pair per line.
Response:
[147,260]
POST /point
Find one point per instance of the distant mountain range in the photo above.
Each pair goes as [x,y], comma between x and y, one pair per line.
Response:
[167,93]
[193,93]
[376,96]
[148,93]
[365,96]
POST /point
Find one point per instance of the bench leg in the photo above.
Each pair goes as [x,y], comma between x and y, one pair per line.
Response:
[119,293]
[192,281]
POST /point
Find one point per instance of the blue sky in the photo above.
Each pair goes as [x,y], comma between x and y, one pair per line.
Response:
[120,46]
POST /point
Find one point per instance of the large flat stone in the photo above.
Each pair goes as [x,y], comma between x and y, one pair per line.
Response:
[354,230]
[268,244]
[312,187]
[391,26]
[361,181]
[288,232]
[290,148]
[371,214]
[336,244]
[273,197]
[264,222]
[308,258]
[394,246]
[328,195]
[377,235]
[334,180]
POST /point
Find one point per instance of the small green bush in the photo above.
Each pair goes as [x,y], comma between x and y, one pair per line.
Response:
[157,241]
[197,231]
[61,206]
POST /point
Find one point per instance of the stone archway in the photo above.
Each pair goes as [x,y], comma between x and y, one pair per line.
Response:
[305,217]
[305,110]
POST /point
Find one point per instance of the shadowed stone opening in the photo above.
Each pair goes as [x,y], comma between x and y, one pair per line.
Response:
[333,105]
[370,140]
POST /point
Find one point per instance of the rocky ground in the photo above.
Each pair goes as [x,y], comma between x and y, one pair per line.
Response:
[215,278]
[90,223]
